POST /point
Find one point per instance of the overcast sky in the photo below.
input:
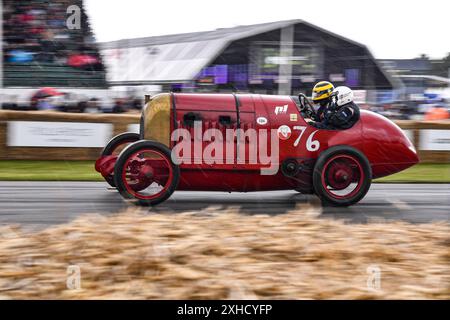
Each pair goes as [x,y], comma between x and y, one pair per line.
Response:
[390,28]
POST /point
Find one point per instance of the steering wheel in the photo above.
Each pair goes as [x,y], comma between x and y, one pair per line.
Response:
[306,106]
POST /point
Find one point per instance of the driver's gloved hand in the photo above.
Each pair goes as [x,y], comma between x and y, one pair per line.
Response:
[311,123]
[320,125]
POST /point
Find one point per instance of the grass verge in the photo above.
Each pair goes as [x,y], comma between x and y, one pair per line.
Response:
[421,173]
[25,170]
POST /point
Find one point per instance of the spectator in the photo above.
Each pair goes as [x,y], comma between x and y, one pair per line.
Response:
[119,106]
[92,106]
[45,104]
[437,113]
[35,31]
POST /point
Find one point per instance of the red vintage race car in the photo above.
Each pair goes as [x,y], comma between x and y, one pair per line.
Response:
[250,142]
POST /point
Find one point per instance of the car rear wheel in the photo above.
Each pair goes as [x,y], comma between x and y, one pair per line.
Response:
[115,146]
[145,173]
[342,176]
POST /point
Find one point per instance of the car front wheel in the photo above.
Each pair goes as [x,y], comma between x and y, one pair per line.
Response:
[145,173]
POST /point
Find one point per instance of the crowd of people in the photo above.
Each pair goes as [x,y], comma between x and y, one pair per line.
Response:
[36,31]
[413,110]
[45,99]
[48,99]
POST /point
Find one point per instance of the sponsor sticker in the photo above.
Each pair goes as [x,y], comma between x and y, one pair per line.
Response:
[281,109]
[434,140]
[293,117]
[58,134]
[261,121]
[284,132]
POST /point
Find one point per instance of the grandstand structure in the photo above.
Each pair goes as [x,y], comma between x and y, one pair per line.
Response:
[39,49]
[281,57]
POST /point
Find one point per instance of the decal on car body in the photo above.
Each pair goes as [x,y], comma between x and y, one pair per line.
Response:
[261,121]
[284,132]
[281,109]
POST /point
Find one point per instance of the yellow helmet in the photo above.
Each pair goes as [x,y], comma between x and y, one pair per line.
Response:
[322,90]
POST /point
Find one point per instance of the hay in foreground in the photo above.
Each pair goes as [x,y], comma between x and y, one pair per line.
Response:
[222,254]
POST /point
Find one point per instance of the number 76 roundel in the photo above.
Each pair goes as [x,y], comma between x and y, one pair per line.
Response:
[311,145]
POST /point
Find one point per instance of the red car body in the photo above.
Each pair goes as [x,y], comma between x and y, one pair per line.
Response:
[378,139]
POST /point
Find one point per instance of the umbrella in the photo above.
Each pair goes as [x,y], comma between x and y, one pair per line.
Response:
[46,92]
[81,60]
[20,56]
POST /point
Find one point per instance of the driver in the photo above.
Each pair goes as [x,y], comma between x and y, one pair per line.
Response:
[337,110]
[321,95]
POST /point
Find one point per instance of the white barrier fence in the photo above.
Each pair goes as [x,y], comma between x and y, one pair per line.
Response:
[58,134]
[80,136]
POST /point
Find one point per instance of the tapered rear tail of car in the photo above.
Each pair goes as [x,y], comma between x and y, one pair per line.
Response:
[386,146]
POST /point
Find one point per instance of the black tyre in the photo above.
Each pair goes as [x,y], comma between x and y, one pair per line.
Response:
[145,173]
[115,146]
[342,176]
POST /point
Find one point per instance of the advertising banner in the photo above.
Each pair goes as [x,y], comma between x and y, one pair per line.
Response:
[133,128]
[435,140]
[58,134]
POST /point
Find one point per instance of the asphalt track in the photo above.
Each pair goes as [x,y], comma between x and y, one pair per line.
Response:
[41,204]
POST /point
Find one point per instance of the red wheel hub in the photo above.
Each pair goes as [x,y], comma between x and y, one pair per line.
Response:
[339,176]
[339,173]
[140,175]
[147,174]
